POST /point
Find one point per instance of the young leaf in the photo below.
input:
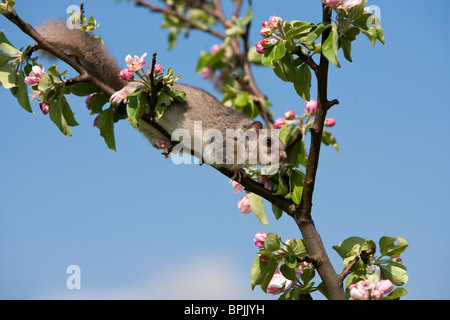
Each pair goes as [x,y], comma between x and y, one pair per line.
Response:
[395,272]
[8,76]
[392,246]
[302,82]
[277,212]
[349,247]
[331,46]
[296,183]
[67,112]
[82,89]
[57,116]
[298,31]
[6,46]
[273,54]
[256,203]
[105,123]
[272,242]
[97,102]
[285,69]
[328,138]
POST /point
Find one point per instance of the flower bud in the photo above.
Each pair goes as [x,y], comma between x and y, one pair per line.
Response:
[237,186]
[278,284]
[158,70]
[259,239]
[289,115]
[45,107]
[333,3]
[216,48]
[244,205]
[311,106]
[207,72]
[377,294]
[126,74]
[358,292]
[330,122]
[266,32]
[385,286]
[276,22]
[279,123]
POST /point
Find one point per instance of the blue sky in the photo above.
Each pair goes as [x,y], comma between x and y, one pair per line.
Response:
[140,227]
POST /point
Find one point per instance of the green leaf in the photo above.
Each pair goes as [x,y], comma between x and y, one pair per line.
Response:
[273,54]
[67,112]
[272,242]
[178,94]
[331,46]
[302,82]
[209,59]
[21,92]
[392,246]
[82,89]
[97,102]
[8,76]
[307,275]
[256,203]
[328,138]
[285,69]
[267,273]
[163,101]
[316,32]
[288,272]
[241,99]
[105,123]
[346,46]
[349,247]
[296,182]
[57,115]
[395,272]
[298,31]
[277,211]
[6,46]
[298,247]
[298,154]
[396,294]
[256,272]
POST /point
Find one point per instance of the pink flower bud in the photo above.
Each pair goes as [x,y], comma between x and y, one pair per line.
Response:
[45,107]
[377,294]
[276,22]
[259,47]
[311,106]
[216,48]
[266,24]
[358,291]
[333,3]
[259,239]
[237,186]
[207,72]
[159,70]
[278,284]
[265,181]
[329,122]
[126,74]
[289,115]
[385,286]
[266,32]
[244,205]
[279,123]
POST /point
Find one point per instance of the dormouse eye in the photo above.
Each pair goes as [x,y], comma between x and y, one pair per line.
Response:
[268,142]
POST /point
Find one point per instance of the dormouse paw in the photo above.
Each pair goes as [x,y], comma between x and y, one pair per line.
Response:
[164,144]
[119,97]
[239,174]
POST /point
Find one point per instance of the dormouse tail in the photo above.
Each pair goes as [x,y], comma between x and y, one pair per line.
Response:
[89,49]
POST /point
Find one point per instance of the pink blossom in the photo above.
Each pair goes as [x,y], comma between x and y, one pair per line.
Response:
[279,123]
[377,294]
[333,3]
[244,205]
[265,181]
[278,284]
[276,22]
[45,107]
[329,122]
[385,286]
[259,239]
[216,48]
[289,115]
[311,106]
[237,186]
[358,291]
[159,70]
[35,76]
[207,72]
[266,24]
[134,64]
[262,45]
[126,74]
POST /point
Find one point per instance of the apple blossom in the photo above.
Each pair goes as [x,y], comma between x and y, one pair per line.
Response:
[216,48]
[35,76]
[134,64]
[259,239]
[266,32]
[265,182]
[385,286]
[358,291]
[333,3]
[329,122]
[244,205]
[207,72]
[262,45]
[311,106]
[279,123]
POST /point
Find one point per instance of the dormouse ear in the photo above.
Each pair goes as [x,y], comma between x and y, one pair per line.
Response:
[256,126]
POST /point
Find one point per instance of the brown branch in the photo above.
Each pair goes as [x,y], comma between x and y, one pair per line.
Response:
[363,256]
[306,58]
[45,45]
[302,215]
[188,22]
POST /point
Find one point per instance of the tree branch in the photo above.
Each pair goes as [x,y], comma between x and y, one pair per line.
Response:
[363,256]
